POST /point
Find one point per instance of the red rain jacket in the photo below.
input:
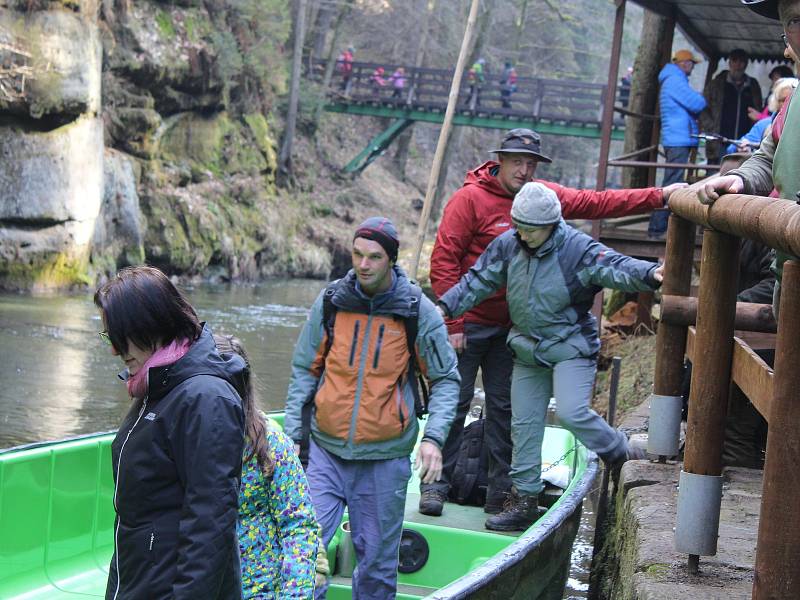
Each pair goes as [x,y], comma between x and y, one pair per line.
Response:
[481,210]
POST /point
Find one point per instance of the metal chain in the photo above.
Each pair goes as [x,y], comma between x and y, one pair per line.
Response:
[561,459]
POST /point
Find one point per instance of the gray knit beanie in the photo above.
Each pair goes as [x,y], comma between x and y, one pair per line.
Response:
[535,204]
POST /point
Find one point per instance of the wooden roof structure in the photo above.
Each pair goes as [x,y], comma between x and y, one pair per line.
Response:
[716,27]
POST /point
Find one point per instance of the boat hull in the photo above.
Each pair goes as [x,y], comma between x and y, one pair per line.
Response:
[56,530]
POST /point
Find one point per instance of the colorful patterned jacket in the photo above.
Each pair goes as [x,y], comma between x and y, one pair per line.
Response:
[278,532]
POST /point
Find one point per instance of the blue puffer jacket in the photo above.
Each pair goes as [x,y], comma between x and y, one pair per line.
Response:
[550,291]
[680,107]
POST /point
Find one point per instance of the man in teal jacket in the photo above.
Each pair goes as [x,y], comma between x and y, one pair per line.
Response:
[361,383]
[551,273]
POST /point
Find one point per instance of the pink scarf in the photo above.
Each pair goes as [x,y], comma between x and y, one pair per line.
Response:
[138,384]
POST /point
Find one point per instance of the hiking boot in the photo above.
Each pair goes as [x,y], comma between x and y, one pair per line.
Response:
[431,502]
[494,504]
[519,512]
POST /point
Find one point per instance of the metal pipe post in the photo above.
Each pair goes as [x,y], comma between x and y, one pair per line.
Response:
[700,483]
[778,546]
[665,405]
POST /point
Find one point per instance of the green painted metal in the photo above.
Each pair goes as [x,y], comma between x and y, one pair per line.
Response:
[377,146]
[56,523]
[474,120]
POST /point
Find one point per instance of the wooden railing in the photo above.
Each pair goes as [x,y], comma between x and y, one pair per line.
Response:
[427,89]
[719,358]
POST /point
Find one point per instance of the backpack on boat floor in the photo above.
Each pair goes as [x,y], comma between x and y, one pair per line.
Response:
[411,323]
[471,474]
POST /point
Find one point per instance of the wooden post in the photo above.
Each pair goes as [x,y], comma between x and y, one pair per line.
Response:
[608,104]
[605,129]
[447,125]
[711,374]
[708,396]
[671,339]
[778,546]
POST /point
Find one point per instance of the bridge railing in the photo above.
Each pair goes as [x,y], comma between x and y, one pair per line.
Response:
[428,90]
[720,359]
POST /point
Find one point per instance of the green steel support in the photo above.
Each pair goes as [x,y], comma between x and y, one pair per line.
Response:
[377,146]
[409,115]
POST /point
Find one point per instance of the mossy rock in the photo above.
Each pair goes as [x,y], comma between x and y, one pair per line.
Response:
[47,273]
[215,143]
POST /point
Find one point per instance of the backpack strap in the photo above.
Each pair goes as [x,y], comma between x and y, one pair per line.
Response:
[414,372]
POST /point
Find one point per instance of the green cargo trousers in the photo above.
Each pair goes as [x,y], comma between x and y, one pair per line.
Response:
[571,383]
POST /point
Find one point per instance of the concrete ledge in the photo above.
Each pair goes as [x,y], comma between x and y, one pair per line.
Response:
[640,557]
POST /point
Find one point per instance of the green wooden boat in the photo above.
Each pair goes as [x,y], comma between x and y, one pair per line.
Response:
[56,530]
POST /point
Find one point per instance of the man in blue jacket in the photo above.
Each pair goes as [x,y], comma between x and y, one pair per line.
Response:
[680,107]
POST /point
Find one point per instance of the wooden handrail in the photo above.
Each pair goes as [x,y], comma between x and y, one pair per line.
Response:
[771,221]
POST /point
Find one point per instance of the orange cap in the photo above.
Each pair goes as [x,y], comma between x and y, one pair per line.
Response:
[682,55]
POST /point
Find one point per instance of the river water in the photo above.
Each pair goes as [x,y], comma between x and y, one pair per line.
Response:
[58,379]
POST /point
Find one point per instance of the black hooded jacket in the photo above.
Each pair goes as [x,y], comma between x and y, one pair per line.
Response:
[177,461]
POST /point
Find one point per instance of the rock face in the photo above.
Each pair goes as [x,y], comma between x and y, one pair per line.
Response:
[51,151]
[172,164]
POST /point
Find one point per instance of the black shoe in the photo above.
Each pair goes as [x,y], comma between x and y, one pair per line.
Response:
[519,512]
[431,502]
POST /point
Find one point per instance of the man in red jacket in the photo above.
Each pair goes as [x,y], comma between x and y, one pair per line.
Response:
[475,215]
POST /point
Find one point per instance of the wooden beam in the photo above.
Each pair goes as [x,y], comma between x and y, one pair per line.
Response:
[753,376]
[682,310]
[748,370]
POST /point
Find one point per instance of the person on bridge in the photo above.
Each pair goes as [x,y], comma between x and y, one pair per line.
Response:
[508,84]
[377,81]
[398,80]
[356,362]
[476,214]
[344,66]
[729,95]
[552,272]
[475,79]
[680,107]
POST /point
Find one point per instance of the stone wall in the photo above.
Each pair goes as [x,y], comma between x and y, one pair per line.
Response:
[140,131]
[51,143]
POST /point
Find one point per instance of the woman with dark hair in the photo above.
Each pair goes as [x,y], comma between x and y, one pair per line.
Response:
[278,532]
[177,457]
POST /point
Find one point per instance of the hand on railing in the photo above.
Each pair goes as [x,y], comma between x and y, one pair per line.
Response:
[667,191]
[712,189]
[658,274]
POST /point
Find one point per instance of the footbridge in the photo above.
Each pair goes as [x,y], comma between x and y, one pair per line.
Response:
[549,106]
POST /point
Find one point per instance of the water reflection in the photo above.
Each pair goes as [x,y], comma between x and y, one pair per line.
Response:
[58,379]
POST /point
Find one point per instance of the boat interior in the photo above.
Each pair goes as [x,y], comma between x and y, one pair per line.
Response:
[57,517]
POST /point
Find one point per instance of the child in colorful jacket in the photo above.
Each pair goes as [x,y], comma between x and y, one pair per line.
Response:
[551,273]
[278,532]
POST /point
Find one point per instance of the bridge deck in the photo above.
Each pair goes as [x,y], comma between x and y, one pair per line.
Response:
[560,107]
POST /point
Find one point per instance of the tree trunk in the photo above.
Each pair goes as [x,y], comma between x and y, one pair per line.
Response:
[644,93]
[523,16]
[285,158]
[330,58]
[324,19]
[482,28]
[425,10]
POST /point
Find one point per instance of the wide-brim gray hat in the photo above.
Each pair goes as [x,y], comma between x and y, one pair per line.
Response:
[535,205]
[765,8]
[522,141]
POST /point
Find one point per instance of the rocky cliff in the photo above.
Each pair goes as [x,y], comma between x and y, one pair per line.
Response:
[142,130]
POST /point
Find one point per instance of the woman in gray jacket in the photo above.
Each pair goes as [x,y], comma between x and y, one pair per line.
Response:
[551,272]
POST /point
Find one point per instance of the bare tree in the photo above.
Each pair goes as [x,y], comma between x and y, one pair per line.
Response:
[285,157]
[330,59]
[404,141]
